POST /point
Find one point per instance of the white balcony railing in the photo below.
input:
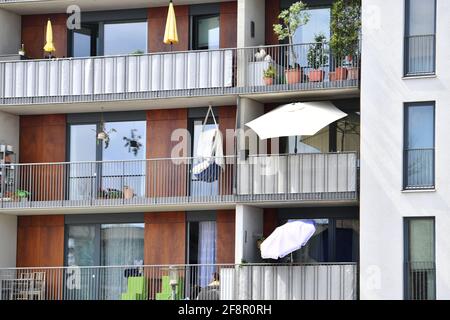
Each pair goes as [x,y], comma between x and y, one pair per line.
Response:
[194,282]
[295,177]
[176,74]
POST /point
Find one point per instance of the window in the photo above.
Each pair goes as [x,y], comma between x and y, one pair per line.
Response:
[420,39]
[125,38]
[419,153]
[420,269]
[91,244]
[201,249]
[117,32]
[335,240]
[127,143]
[206,32]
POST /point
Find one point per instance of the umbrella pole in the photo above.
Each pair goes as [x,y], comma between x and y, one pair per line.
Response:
[295,149]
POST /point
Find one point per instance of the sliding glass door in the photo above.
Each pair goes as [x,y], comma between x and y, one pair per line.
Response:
[121,174]
[102,245]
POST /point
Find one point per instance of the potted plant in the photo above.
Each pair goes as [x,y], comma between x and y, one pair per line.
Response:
[22,195]
[128,192]
[268,75]
[317,58]
[345,28]
[292,19]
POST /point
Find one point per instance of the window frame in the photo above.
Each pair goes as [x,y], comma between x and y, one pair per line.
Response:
[406,107]
[406,35]
[194,23]
[406,252]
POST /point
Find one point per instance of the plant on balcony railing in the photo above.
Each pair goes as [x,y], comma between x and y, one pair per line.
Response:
[269,74]
[109,193]
[21,195]
[292,18]
[344,41]
[317,58]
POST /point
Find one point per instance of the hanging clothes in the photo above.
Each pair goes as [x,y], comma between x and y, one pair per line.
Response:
[209,152]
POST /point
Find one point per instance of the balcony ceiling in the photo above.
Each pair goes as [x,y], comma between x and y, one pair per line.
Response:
[25,7]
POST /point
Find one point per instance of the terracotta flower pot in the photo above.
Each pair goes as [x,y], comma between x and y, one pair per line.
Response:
[268,81]
[341,73]
[353,73]
[128,193]
[316,75]
[293,76]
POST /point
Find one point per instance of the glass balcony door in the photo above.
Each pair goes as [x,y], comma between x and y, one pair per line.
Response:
[121,173]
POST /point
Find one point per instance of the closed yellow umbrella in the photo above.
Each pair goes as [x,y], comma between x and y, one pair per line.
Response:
[171,35]
[49,46]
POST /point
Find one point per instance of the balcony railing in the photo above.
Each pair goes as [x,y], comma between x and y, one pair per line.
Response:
[179,282]
[175,74]
[295,177]
[304,176]
[420,58]
[420,280]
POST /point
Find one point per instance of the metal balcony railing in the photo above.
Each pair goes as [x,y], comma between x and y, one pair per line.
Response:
[420,280]
[295,177]
[419,168]
[182,282]
[176,74]
[420,55]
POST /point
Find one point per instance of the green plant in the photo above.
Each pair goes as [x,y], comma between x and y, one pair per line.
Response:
[292,19]
[317,56]
[345,27]
[22,194]
[137,52]
[270,72]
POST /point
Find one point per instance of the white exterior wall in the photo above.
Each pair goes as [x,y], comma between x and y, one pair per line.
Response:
[8,240]
[9,131]
[248,11]
[383,204]
[249,227]
[10,32]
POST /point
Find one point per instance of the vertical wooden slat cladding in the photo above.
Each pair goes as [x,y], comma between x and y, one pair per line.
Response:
[165,178]
[33,34]
[228,24]
[42,140]
[157,24]
[225,236]
[272,11]
[227,121]
[270,221]
[165,237]
[40,241]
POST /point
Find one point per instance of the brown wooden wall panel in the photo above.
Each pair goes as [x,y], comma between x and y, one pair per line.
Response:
[270,221]
[228,24]
[157,25]
[165,238]
[42,140]
[33,34]
[165,177]
[225,236]
[272,12]
[40,241]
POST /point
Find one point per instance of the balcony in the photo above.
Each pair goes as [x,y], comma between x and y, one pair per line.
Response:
[155,76]
[235,282]
[170,183]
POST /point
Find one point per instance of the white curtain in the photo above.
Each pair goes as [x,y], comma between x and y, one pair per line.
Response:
[121,245]
[206,251]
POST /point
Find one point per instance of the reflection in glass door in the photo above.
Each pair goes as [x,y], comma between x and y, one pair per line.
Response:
[107,248]
[82,176]
[81,251]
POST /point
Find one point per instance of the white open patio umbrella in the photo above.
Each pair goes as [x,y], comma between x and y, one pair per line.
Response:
[296,119]
[287,239]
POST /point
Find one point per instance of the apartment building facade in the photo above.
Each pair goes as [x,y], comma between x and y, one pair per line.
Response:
[376,194]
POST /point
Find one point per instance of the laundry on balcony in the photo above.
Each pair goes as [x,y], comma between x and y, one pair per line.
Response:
[296,119]
[288,238]
[209,152]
